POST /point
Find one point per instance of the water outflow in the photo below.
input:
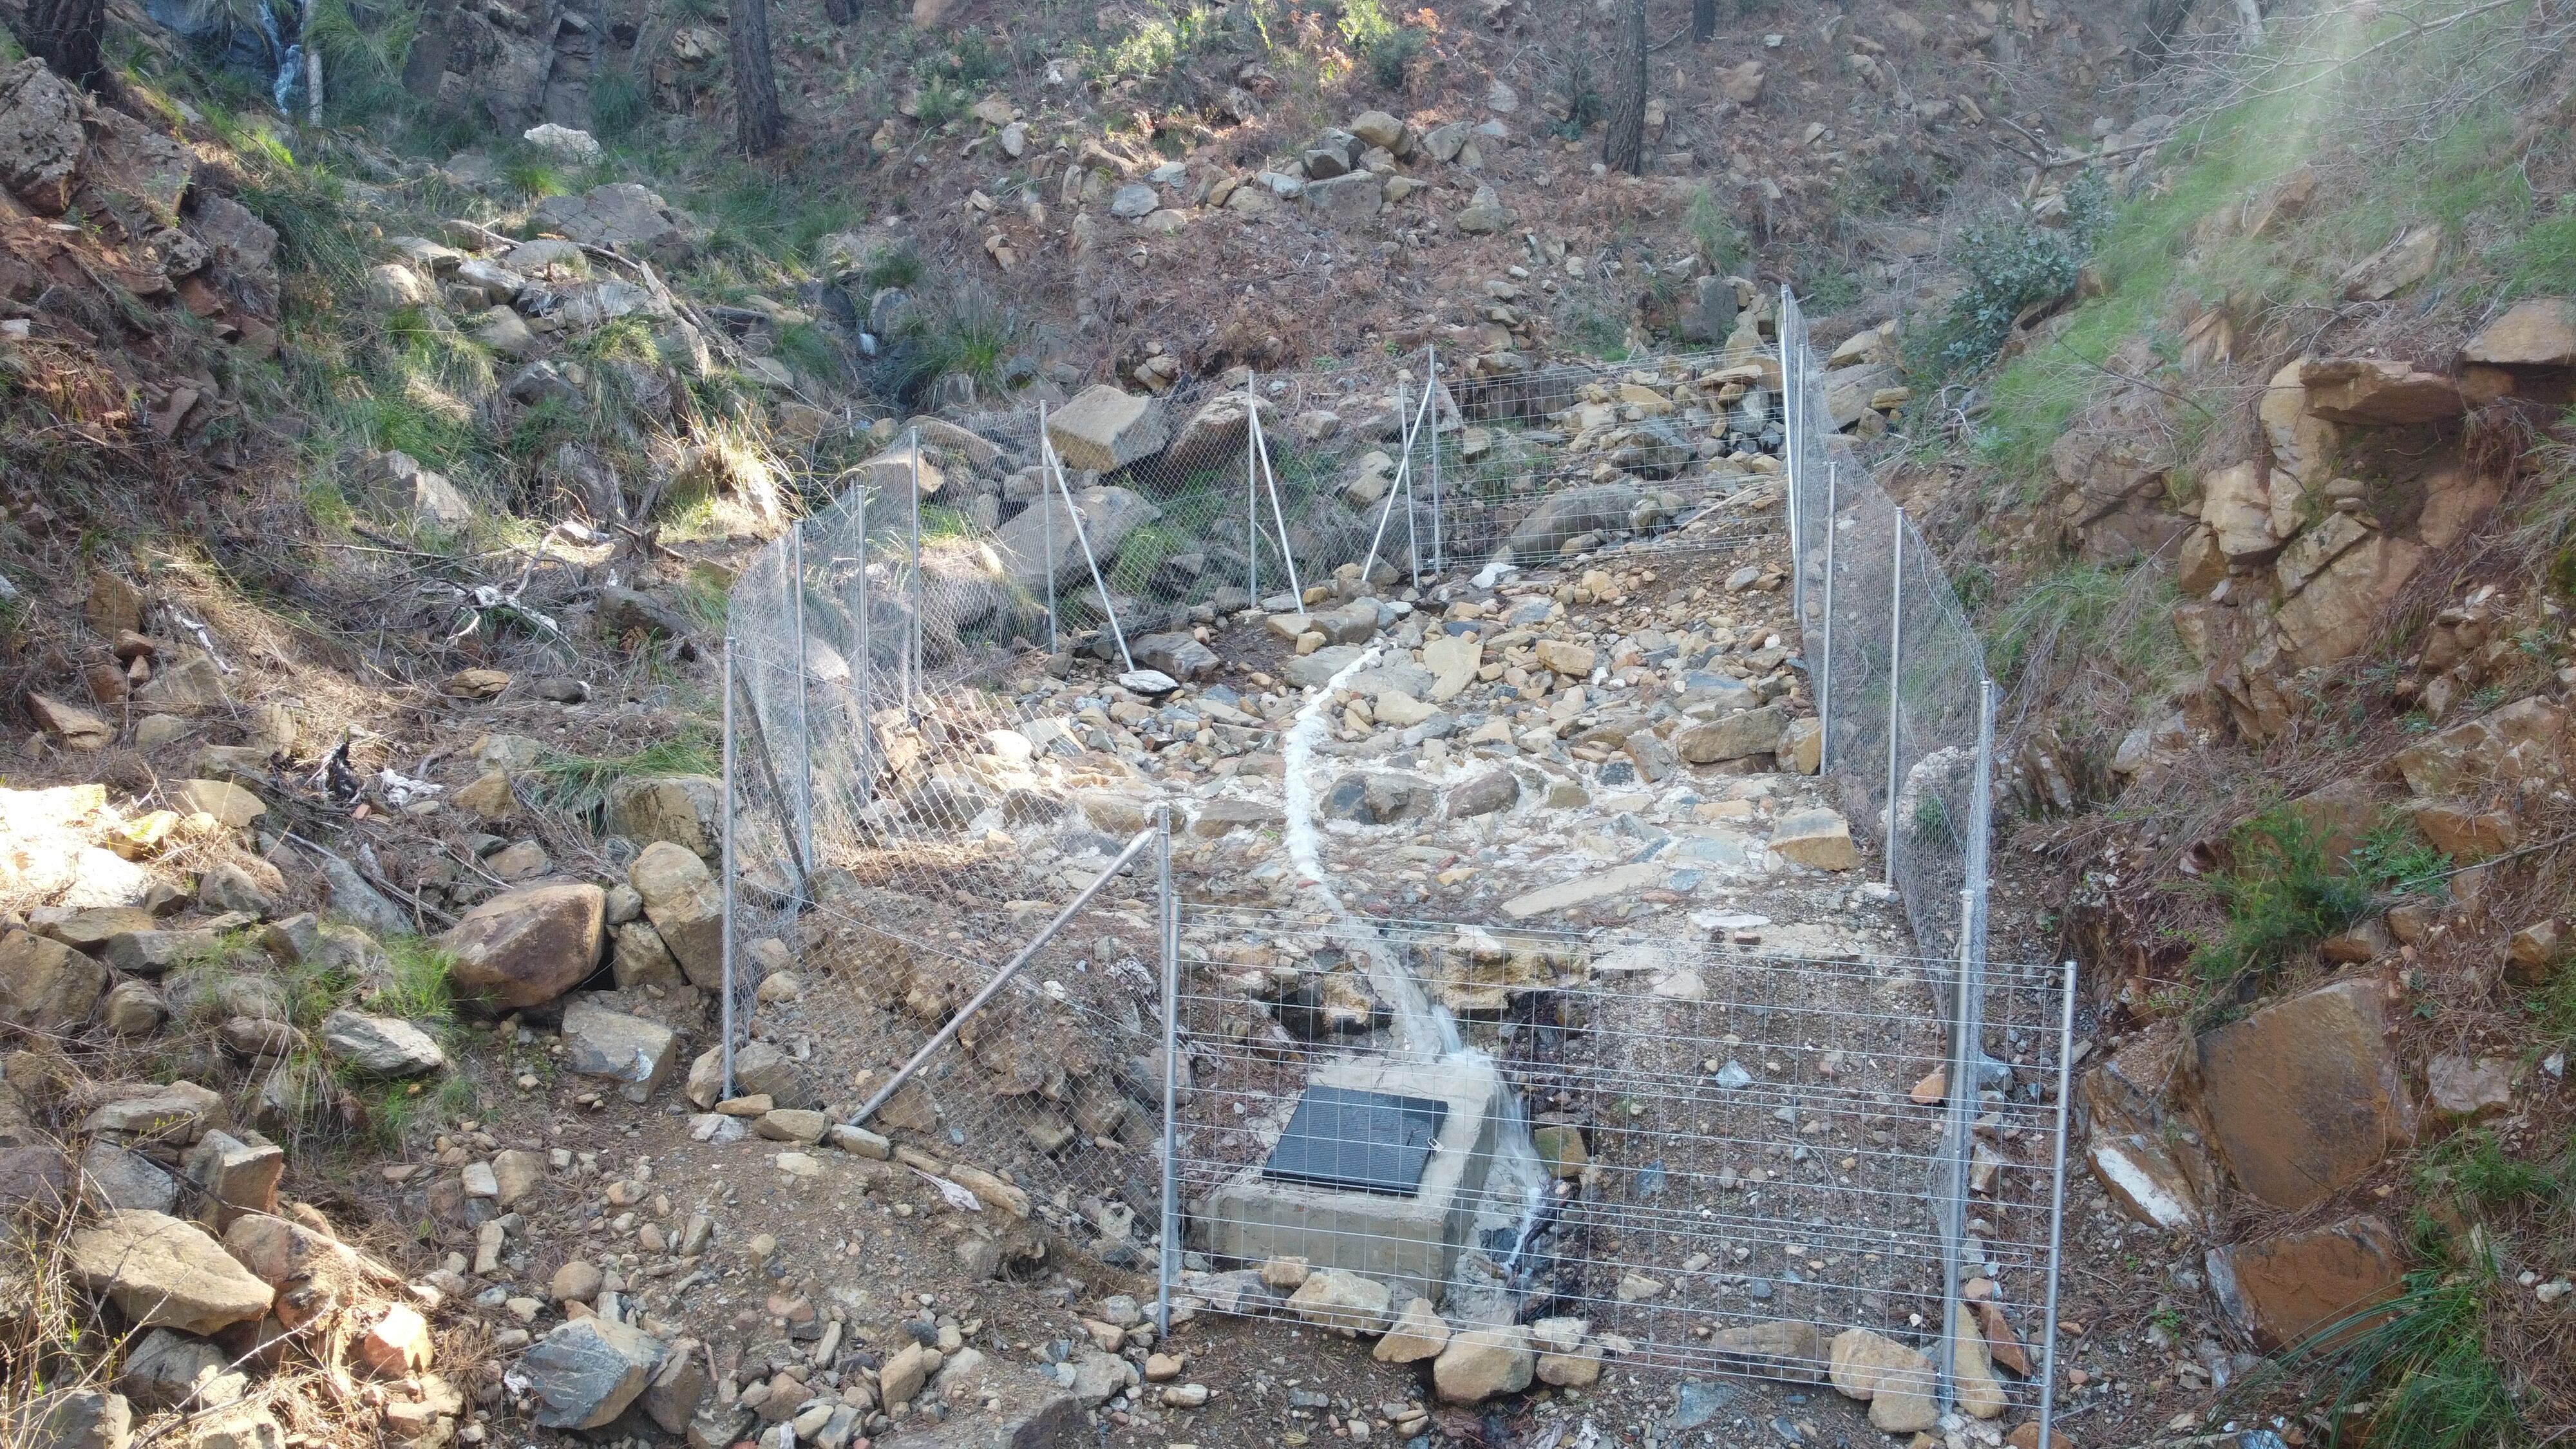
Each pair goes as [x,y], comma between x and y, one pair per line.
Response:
[1514,1209]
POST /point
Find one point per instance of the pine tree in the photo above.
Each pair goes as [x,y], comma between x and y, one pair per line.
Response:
[1624,148]
[758,122]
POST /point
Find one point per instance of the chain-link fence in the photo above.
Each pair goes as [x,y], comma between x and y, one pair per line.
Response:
[913,784]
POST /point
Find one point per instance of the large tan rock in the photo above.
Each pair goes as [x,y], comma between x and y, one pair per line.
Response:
[682,809]
[2401,264]
[1453,660]
[2535,332]
[2304,1096]
[2339,609]
[1332,1298]
[2461,1088]
[586,1372]
[2520,741]
[2377,391]
[1788,1349]
[685,902]
[45,985]
[1419,1332]
[2280,1289]
[527,947]
[1895,1381]
[161,1272]
[2303,444]
[232,806]
[1731,737]
[1972,1374]
[1482,1360]
[1104,429]
[1817,838]
[2236,503]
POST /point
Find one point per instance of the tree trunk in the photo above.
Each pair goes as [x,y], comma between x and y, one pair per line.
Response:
[65,34]
[2164,21]
[757,121]
[1703,21]
[841,12]
[2249,14]
[1624,148]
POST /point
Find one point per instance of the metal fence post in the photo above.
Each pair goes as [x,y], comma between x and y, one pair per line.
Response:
[1439,558]
[1895,683]
[1981,813]
[724,1004]
[1956,1137]
[865,662]
[1824,676]
[1169,1259]
[912,640]
[1046,521]
[804,700]
[1793,434]
[2057,1210]
[1252,487]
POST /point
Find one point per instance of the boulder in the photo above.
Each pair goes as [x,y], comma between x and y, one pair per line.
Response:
[1214,437]
[46,986]
[1178,655]
[2303,1097]
[1710,315]
[2534,332]
[1786,1349]
[528,946]
[1039,540]
[1377,798]
[173,1115]
[682,809]
[1737,736]
[585,1372]
[40,136]
[2280,1289]
[1817,838]
[237,1426]
[1104,429]
[1419,1332]
[380,1046]
[161,1272]
[1600,508]
[2519,741]
[240,1176]
[1316,670]
[69,1418]
[759,1070]
[170,1370]
[1482,1360]
[685,903]
[2338,612]
[624,217]
[1895,1381]
[599,1042]
[2401,264]
[2236,504]
[1483,794]
[2460,1088]
[73,727]
[1345,200]
[2377,391]
[1345,1302]
[113,1177]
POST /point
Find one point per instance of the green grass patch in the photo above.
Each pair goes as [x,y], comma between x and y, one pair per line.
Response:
[2414,1371]
[2539,263]
[617,103]
[2073,611]
[419,987]
[578,784]
[2282,893]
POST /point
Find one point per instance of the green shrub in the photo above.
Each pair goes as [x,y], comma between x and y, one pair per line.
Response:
[361,68]
[2012,265]
[941,102]
[420,988]
[1713,232]
[894,266]
[1391,56]
[2282,894]
[618,103]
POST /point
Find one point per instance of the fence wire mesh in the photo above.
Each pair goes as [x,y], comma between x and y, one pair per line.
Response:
[1732,1173]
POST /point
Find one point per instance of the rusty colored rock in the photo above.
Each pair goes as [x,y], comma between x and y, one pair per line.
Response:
[2304,1097]
[2281,1289]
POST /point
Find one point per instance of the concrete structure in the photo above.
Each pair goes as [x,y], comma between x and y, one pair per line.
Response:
[1408,1243]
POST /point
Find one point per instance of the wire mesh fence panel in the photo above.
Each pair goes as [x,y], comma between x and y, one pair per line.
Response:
[1714,1159]
[1555,462]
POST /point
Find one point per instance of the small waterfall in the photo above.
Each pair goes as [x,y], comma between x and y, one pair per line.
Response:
[1515,1207]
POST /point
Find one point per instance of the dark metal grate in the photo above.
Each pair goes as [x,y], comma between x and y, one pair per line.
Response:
[1360,1141]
